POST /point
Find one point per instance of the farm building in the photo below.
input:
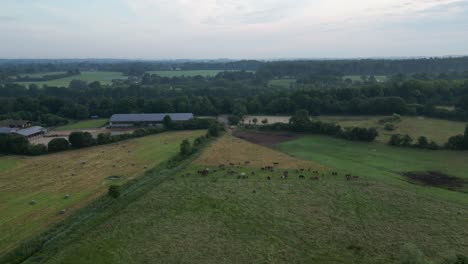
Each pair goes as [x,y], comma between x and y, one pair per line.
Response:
[30,132]
[130,120]
[15,123]
[7,130]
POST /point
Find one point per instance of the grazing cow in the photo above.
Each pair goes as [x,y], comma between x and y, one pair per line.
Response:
[301,177]
[231,164]
[247,162]
[348,177]
[268,178]
[286,173]
[355,177]
[253,173]
[275,163]
[315,178]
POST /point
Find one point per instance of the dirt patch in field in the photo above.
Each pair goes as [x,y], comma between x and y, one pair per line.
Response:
[436,179]
[265,138]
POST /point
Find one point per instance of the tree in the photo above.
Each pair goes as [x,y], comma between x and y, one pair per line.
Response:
[233,120]
[265,121]
[80,139]
[300,121]
[37,149]
[185,148]
[406,141]
[58,144]
[255,120]
[423,142]
[213,130]
[167,122]
[18,144]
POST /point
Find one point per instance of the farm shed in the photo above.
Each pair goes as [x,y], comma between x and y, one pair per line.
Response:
[32,132]
[130,120]
[15,123]
[7,130]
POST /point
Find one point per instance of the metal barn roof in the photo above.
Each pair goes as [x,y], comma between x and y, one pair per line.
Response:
[30,131]
[7,130]
[150,117]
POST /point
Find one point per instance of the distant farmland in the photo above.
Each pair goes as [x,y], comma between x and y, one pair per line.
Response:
[88,76]
[206,73]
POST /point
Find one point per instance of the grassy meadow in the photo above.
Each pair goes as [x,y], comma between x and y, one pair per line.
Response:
[219,218]
[92,123]
[81,174]
[438,130]
[88,76]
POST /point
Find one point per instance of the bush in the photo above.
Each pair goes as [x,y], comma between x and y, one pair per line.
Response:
[103,138]
[58,144]
[389,127]
[114,191]
[81,139]
[36,150]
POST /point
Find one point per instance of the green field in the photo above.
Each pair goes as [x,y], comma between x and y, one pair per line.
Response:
[438,130]
[37,75]
[207,73]
[354,78]
[81,174]
[102,77]
[285,83]
[93,123]
[219,218]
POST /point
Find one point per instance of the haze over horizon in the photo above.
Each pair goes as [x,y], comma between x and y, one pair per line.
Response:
[268,29]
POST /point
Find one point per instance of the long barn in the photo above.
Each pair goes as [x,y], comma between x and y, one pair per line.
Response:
[130,120]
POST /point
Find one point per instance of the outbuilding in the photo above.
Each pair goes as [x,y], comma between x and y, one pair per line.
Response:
[32,132]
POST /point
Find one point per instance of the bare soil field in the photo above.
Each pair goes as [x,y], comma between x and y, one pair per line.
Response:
[267,139]
[435,179]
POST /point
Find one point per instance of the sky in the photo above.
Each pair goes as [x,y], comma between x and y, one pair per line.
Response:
[236,29]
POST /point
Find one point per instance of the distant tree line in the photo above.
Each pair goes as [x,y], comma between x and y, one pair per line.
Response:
[234,93]
[300,122]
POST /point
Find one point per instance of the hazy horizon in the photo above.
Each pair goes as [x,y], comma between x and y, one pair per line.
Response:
[214,29]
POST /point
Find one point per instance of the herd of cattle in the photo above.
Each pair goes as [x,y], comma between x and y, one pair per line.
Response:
[271,168]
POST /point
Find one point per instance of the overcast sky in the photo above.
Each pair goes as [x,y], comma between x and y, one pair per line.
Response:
[238,29]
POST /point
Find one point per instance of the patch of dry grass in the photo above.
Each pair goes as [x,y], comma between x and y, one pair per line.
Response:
[82,174]
[229,149]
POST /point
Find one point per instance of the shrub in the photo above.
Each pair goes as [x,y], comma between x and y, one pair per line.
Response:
[389,127]
[36,150]
[58,144]
[81,139]
[114,191]
[103,138]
